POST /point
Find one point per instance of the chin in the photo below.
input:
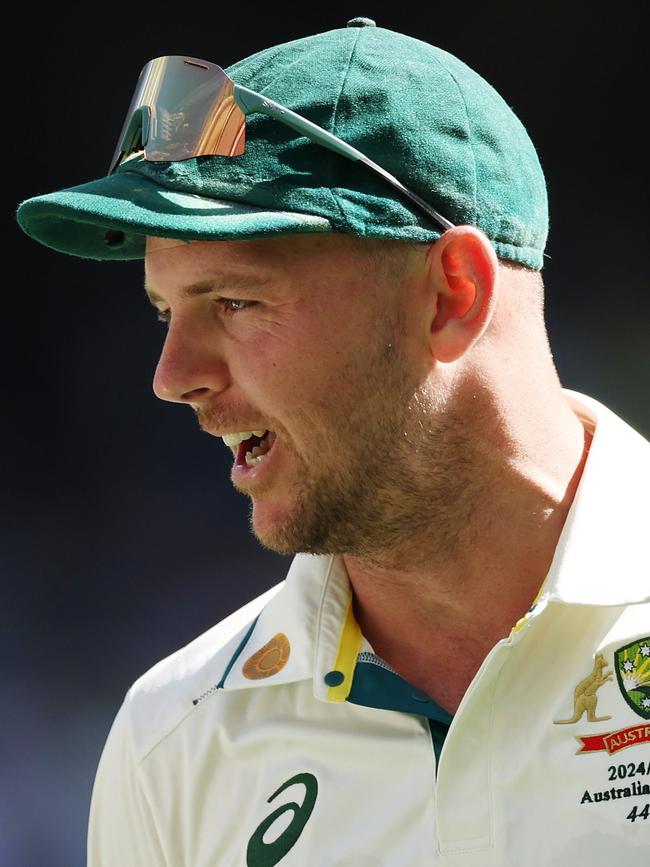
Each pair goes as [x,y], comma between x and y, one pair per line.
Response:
[287,530]
[274,527]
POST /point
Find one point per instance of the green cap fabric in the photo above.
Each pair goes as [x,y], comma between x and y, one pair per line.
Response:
[416,110]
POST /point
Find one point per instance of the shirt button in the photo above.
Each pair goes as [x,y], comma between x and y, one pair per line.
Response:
[420,696]
[334,678]
[361,22]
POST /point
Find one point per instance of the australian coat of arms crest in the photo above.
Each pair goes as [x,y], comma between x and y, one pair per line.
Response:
[632,666]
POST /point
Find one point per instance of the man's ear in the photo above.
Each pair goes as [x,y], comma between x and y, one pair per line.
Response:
[463,284]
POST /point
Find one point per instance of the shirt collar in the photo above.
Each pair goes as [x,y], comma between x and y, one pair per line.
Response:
[310,612]
[601,559]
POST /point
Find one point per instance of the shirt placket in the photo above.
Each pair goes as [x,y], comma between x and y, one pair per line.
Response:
[464,790]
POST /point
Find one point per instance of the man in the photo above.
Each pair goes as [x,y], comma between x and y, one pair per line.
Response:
[462,645]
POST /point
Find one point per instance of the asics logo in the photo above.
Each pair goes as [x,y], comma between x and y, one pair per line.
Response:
[262,854]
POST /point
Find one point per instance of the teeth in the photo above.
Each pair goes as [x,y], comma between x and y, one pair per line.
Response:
[252,461]
[255,456]
[233,439]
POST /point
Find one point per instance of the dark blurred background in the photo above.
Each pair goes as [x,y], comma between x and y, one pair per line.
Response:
[122,537]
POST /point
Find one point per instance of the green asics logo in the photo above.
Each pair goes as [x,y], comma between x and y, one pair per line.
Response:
[261,854]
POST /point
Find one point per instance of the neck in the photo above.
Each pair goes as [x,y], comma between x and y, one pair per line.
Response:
[477,572]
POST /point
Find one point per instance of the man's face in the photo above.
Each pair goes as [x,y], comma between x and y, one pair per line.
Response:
[319,345]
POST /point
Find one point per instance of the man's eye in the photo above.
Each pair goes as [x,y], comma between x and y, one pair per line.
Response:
[242,305]
[229,306]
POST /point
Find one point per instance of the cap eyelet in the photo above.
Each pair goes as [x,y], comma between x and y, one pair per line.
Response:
[114,238]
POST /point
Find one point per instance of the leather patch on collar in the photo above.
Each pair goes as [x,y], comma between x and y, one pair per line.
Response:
[269,659]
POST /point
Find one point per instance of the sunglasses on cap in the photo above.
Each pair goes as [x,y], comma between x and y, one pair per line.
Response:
[183,107]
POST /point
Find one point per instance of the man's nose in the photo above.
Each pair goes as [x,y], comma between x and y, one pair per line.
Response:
[190,368]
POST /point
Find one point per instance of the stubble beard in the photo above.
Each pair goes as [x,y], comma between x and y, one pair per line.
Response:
[391,483]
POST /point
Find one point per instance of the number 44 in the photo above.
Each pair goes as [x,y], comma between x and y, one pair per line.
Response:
[635,813]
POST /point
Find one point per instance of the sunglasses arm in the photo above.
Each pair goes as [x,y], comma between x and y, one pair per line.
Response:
[249,101]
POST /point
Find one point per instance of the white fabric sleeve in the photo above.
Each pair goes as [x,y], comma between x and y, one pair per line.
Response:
[121,826]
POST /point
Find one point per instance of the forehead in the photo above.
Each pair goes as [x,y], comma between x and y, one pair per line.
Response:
[192,268]
[263,252]
[277,247]
[322,265]
[173,259]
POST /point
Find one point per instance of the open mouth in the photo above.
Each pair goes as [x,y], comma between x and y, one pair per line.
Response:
[254,450]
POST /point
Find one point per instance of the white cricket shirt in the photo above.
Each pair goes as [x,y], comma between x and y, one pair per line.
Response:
[278,737]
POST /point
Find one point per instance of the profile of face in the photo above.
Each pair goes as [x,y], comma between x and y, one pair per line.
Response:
[315,340]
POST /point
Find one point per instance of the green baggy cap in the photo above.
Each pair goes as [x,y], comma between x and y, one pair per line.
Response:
[416,110]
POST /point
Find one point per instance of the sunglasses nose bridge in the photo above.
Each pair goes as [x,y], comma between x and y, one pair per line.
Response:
[139,126]
[145,114]
[136,135]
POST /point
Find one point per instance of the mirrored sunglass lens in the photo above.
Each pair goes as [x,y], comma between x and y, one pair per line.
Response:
[192,111]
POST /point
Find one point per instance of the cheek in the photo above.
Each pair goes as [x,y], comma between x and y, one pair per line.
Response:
[291,352]
[301,368]
[277,374]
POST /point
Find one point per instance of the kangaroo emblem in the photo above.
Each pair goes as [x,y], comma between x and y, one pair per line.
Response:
[584,695]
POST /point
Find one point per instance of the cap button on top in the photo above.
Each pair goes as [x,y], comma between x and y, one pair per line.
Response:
[361,22]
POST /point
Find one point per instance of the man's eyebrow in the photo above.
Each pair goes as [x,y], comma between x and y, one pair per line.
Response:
[219,283]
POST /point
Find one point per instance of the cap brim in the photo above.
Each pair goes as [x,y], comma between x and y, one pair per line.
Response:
[109,218]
